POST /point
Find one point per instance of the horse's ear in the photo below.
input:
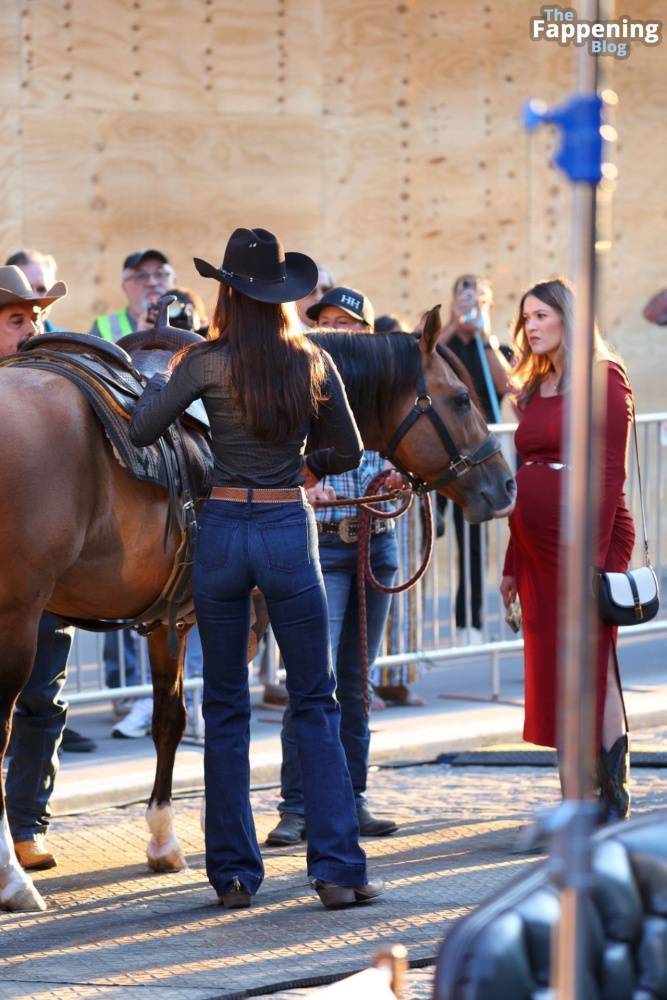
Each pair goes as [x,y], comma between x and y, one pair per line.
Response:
[432,330]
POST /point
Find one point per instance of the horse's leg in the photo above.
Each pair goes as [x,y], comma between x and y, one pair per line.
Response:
[164,852]
[19,639]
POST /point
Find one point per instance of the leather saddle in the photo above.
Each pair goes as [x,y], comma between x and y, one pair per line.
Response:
[145,353]
[112,377]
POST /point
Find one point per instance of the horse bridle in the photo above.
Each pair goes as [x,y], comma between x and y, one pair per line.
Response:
[458,464]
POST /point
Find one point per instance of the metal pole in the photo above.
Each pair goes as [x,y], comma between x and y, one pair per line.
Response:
[577,626]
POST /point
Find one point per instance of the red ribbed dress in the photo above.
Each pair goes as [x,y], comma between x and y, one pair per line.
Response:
[533,552]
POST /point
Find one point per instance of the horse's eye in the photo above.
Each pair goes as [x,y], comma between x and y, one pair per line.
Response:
[462,402]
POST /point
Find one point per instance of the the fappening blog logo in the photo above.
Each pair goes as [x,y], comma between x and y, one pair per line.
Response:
[604,38]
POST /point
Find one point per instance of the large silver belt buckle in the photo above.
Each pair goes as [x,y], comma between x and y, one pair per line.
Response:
[348,529]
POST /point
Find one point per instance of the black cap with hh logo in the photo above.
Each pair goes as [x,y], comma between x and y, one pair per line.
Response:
[351,301]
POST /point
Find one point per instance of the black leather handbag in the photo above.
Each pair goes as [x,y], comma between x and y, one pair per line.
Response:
[633,597]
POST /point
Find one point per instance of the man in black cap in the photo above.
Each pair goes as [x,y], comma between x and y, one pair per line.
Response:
[347,310]
[147,274]
[343,309]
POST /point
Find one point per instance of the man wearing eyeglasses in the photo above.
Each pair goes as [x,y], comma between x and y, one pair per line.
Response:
[147,274]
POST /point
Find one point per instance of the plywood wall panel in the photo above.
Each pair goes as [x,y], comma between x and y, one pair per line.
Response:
[445,63]
[10,56]
[166,57]
[448,234]
[362,232]
[636,267]
[12,192]
[362,46]
[131,185]
[77,54]
[301,61]
[382,136]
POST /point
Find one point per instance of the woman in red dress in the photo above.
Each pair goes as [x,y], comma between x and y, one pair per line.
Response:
[532,560]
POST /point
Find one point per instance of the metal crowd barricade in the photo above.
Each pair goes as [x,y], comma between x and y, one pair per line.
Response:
[421,631]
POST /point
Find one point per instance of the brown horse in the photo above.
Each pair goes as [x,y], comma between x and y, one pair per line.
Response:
[82,538]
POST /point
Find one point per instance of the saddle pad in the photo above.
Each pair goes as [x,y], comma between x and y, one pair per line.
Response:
[112,396]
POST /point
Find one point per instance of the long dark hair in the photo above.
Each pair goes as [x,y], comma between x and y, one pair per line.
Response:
[277,374]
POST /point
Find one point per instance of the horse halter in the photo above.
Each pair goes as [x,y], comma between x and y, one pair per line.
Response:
[458,464]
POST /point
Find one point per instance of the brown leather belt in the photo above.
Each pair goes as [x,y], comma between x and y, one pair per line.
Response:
[347,528]
[239,494]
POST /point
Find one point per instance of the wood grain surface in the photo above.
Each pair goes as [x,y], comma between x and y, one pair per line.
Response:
[384,138]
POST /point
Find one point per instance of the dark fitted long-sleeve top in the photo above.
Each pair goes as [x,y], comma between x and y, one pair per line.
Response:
[240,457]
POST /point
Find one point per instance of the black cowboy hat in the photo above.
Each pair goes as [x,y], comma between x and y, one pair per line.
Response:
[256,264]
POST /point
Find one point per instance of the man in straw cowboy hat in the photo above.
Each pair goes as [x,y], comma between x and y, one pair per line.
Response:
[39,714]
[20,308]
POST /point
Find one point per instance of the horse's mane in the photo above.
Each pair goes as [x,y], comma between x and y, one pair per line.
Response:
[379,367]
[376,368]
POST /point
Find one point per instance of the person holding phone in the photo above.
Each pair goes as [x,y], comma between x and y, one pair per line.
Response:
[468,334]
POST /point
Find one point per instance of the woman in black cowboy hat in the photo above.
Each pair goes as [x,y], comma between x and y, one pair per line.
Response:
[262,383]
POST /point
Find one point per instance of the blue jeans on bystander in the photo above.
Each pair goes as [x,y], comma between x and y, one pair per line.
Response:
[273,546]
[339,569]
[37,726]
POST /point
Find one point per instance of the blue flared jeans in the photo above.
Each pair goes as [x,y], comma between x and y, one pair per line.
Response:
[339,569]
[274,547]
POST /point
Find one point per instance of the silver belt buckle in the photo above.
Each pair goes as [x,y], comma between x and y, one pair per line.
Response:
[348,529]
[557,465]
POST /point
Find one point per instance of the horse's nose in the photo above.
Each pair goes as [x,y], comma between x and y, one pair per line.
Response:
[510,486]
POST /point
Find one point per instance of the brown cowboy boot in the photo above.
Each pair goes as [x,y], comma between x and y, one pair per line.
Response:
[33,855]
[613,773]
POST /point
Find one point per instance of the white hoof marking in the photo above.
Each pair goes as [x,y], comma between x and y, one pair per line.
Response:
[16,890]
[163,852]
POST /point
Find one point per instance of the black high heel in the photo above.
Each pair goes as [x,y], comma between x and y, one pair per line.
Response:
[337,897]
[236,897]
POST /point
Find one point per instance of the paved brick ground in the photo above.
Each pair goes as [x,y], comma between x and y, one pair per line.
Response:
[113,929]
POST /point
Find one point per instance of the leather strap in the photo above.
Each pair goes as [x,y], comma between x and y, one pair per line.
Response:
[240,494]
[458,464]
[647,558]
[639,611]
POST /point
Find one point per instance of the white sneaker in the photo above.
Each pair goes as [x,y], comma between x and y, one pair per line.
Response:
[469,636]
[137,722]
[120,707]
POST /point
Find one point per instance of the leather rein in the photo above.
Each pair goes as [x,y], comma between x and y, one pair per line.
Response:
[459,465]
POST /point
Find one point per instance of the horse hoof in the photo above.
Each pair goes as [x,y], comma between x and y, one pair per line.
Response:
[171,862]
[26,900]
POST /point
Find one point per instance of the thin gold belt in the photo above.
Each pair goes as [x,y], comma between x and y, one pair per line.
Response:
[550,465]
